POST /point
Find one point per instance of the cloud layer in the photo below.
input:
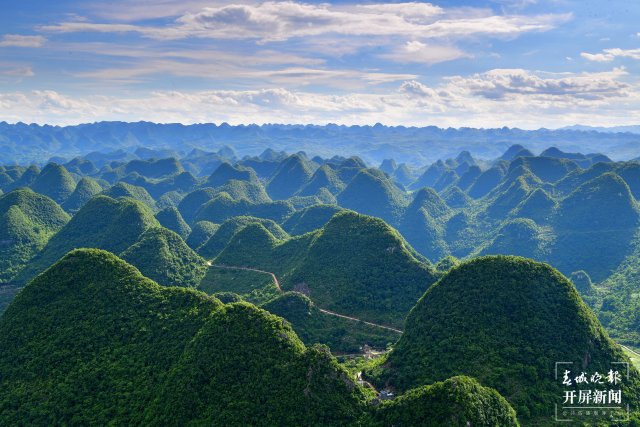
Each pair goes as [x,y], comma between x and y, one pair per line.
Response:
[495,98]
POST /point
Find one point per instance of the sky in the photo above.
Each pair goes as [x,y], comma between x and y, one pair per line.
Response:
[482,63]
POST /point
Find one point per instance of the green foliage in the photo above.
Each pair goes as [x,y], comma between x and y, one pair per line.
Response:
[200,233]
[103,223]
[226,172]
[84,191]
[459,401]
[292,174]
[55,182]
[154,168]
[601,213]
[538,206]
[170,218]
[582,281]
[520,237]
[447,263]
[250,191]
[355,265]
[454,197]
[229,228]
[548,169]
[505,321]
[122,189]
[27,222]
[373,193]
[162,256]
[487,181]
[251,286]
[323,177]
[190,204]
[228,297]
[309,219]
[223,207]
[169,200]
[89,342]
[313,326]
[92,342]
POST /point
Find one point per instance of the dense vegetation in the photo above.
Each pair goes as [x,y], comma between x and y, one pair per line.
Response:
[27,221]
[313,326]
[458,402]
[500,320]
[162,256]
[104,223]
[355,265]
[505,321]
[92,342]
[576,212]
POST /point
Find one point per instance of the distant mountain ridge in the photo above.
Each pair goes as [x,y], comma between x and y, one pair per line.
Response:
[26,143]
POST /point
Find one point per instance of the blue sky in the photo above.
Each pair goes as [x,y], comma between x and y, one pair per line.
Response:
[522,63]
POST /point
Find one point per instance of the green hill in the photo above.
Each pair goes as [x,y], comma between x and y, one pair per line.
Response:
[426,198]
[454,197]
[170,218]
[84,191]
[425,233]
[154,168]
[548,169]
[250,191]
[309,219]
[247,367]
[122,189]
[468,178]
[103,222]
[24,178]
[162,256]
[313,326]
[92,342]
[355,265]
[223,207]
[193,201]
[54,181]
[487,180]
[248,285]
[520,237]
[457,402]
[229,228]
[200,233]
[515,151]
[27,222]
[292,174]
[373,193]
[601,213]
[81,166]
[323,177]
[226,172]
[403,175]
[538,206]
[430,175]
[505,321]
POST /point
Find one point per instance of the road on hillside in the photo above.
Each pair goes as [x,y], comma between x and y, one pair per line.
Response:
[329,312]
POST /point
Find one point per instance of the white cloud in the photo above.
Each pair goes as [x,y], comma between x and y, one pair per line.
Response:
[277,21]
[501,84]
[418,52]
[496,98]
[13,70]
[16,40]
[609,55]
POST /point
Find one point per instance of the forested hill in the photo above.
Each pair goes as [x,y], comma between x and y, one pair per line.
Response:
[25,143]
[576,211]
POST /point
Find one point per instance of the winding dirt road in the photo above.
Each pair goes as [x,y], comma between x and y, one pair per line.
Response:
[329,312]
